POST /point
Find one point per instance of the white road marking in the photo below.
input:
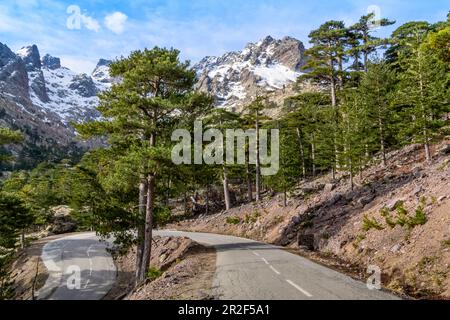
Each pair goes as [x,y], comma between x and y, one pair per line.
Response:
[265,261]
[275,270]
[256,253]
[296,286]
[90,267]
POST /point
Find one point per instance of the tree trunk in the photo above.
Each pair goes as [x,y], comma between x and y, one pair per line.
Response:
[141,226]
[333,92]
[22,239]
[427,146]
[341,68]
[148,236]
[207,201]
[148,227]
[258,165]
[426,142]
[226,190]
[313,158]
[382,142]
[249,179]
[302,153]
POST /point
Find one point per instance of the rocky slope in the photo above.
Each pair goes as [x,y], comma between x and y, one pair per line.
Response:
[183,269]
[374,224]
[40,97]
[267,66]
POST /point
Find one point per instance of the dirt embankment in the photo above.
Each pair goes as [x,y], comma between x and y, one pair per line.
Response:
[181,269]
[397,218]
[28,271]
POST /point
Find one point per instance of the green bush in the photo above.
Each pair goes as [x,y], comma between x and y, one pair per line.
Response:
[447,243]
[369,224]
[233,220]
[402,216]
[419,219]
[388,217]
[161,216]
[252,218]
[153,273]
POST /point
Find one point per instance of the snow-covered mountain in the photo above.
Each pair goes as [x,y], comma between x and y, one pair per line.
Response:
[236,78]
[59,90]
[40,97]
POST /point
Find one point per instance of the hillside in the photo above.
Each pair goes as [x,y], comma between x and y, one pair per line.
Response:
[328,218]
[41,98]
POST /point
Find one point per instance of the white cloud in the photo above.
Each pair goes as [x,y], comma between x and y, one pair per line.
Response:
[116,22]
[90,23]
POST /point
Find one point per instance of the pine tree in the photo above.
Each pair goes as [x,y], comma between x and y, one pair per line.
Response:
[423,90]
[377,89]
[255,114]
[155,92]
[366,43]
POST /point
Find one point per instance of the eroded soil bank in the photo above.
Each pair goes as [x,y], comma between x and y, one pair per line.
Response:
[396,218]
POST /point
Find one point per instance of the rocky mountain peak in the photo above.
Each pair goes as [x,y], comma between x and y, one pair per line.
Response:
[51,62]
[84,85]
[30,55]
[6,55]
[103,62]
[101,71]
[265,66]
[13,75]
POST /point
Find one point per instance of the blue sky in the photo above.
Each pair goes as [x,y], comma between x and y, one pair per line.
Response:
[110,28]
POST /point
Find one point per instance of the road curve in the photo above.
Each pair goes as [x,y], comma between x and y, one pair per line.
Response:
[79,267]
[250,270]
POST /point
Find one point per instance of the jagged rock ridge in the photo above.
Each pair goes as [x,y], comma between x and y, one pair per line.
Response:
[236,78]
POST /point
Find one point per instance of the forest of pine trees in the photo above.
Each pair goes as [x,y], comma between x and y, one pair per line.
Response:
[372,95]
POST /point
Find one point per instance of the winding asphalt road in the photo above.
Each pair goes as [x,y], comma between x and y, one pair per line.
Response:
[79,267]
[245,269]
[250,270]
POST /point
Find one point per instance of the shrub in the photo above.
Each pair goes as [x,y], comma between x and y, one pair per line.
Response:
[447,243]
[402,216]
[369,224]
[252,218]
[153,273]
[419,219]
[388,217]
[161,216]
[233,220]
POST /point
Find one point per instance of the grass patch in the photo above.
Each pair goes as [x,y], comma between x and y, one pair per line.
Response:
[447,243]
[358,240]
[233,220]
[443,166]
[153,273]
[252,218]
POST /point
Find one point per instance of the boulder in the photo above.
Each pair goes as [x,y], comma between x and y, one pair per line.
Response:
[417,191]
[392,205]
[306,241]
[329,187]
[445,150]
[366,200]
[62,221]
